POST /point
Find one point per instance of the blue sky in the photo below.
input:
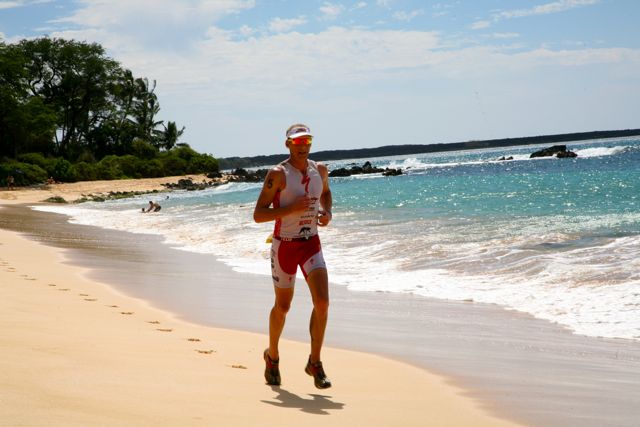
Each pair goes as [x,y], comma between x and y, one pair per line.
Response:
[237,73]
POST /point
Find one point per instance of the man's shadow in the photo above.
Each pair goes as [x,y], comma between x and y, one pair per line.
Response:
[318,404]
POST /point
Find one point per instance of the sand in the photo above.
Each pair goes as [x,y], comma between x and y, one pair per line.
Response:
[75,351]
[71,192]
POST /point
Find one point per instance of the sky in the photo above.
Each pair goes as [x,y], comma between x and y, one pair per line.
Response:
[362,74]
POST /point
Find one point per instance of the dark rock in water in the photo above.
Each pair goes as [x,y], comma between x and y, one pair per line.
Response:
[189,185]
[556,150]
[242,175]
[340,172]
[566,154]
[364,169]
[392,172]
[506,158]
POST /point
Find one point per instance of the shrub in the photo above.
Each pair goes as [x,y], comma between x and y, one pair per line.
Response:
[34,159]
[203,163]
[63,171]
[23,173]
[143,149]
[174,165]
[109,168]
[184,152]
[152,169]
[86,157]
[85,171]
[130,166]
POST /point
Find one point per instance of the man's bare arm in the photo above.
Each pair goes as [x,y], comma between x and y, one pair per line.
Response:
[274,182]
[326,199]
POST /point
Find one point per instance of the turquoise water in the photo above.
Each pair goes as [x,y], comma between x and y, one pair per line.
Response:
[557,238]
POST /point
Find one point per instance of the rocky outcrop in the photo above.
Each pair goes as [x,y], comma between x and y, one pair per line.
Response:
[189,185]
[556,150]
[238,175]
[242,175]
[364,169]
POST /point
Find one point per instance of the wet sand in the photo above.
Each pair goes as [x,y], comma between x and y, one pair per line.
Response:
[517,367]
[76,352]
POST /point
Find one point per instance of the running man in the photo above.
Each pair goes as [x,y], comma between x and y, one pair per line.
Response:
[297,197]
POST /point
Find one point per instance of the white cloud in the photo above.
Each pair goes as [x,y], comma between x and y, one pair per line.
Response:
[359,5]
[574,58]
[554,7]
[385,3]
[10,4]
[279,25]
[547,8]
[407,16]
[505,35]
[479,25]
[252,81]
[331,11]
[246,31]
[167,23]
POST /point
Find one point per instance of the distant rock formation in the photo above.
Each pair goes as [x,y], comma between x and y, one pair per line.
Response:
[505,158]
[364,169]
[242,175]
[556,150]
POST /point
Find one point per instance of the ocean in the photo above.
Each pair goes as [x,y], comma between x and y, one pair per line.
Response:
[556,238]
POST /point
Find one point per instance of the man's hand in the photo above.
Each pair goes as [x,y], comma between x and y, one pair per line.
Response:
[301,204]
[324,217]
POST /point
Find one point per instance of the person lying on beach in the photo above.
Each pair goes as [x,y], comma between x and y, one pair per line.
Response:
[153,207]
[297,197]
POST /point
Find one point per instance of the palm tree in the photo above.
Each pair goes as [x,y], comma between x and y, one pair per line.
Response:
[170,135]
[145,110]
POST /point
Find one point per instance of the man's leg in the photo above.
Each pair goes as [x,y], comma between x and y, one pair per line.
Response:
[277,318]
[318,281]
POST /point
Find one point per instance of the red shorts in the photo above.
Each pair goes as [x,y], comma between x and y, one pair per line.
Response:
[286,256]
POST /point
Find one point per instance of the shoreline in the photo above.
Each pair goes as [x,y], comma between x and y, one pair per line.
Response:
[514,365]
[77,352]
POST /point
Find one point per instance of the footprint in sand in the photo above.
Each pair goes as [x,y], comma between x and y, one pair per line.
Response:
[50,284]
[91,299]
[112,306]
[126,312]
[239,366]
[205,351]
[64,289]
[193,339]
[164,330]
[84,295]
[153,322]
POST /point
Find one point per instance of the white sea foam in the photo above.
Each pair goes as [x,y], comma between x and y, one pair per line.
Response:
[579,269]
[600,151]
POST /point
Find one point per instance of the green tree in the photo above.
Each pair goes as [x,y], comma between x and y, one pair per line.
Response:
[169,137]
[81,115]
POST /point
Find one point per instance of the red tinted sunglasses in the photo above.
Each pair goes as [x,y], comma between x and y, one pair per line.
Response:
[302,140]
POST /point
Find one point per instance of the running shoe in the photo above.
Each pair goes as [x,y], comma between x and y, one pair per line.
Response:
[271,370]
[317,372]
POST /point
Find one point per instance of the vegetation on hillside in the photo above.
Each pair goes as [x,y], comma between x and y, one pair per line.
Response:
[69,112]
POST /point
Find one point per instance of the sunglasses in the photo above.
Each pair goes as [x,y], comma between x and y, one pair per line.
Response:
[302,140]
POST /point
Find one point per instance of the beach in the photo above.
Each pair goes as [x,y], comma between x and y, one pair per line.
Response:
[491,366]
[76,351]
